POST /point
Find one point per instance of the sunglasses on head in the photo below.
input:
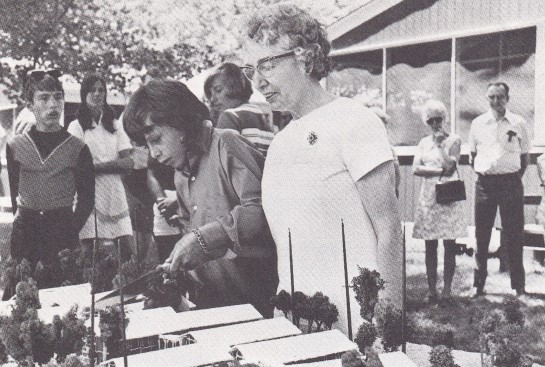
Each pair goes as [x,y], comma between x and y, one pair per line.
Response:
[38,75]
[433,120]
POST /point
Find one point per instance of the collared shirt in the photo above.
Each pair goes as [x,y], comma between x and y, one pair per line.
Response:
[498,144]
[221,196]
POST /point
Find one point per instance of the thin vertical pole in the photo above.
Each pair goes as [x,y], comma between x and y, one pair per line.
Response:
[346,287]
[291,265]
[404,299]
[92,350]
[122,303]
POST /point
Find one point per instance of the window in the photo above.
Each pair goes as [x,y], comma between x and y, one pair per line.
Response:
[505,56]
[415,74]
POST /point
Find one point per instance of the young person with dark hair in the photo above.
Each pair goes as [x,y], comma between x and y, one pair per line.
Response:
[47,167]
[228,92]
[111,151]
[218,182]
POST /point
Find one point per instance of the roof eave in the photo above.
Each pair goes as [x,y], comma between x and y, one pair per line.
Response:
[359,16]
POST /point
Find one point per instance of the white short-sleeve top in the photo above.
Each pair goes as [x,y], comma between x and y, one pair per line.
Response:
[308,186]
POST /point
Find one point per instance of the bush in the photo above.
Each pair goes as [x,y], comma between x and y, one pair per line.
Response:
[366,336]
[389,324]
[442,335]
[513,314]
[441,356]
[366,286]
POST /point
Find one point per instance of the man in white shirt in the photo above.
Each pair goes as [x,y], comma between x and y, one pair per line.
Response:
[499,145]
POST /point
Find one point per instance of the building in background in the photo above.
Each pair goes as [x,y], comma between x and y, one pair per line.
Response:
[396,54]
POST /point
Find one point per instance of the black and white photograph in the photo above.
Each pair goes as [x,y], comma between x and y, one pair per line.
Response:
[314,183]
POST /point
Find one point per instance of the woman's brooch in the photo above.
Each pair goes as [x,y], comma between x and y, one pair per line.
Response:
[312,137]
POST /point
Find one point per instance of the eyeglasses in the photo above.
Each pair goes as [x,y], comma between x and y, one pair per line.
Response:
[433,120]
[264,67]
[38,75]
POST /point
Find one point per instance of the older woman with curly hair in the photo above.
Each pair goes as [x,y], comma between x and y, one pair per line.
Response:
[436,158]
[331,163]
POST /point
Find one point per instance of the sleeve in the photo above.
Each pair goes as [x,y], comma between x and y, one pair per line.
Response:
[245,225]
[123,141]
[229,120]
[13,177]
[363,141]
[85,188]
[472,141]
[524,137]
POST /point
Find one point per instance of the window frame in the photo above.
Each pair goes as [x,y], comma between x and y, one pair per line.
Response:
[539,93]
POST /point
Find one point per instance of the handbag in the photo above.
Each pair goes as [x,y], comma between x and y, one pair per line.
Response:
[447,192]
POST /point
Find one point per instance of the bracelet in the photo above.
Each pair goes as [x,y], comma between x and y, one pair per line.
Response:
[197,234]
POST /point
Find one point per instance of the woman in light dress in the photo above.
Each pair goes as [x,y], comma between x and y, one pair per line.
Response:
[437,158]
[111,150]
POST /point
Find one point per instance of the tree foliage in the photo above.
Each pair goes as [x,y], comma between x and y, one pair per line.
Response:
[441,356]
[282,301]
[366,286]
[389,321]
[81,36]
[366,336]
[111,330]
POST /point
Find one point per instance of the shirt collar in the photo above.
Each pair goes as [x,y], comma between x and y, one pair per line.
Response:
[202,146]
[508,116]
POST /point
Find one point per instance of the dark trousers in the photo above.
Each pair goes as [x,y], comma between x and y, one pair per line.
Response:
[505,191]
[39,236]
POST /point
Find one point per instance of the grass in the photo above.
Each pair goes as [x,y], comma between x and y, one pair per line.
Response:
[462,311]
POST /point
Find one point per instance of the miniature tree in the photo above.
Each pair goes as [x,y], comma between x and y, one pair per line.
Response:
[69,333]
[389,320]
[26,338]
[23,270]
[9,277]
[282,301]
[111,330]
[497,335]
[315,305]
[441,356]
[71,270]
[442,335]
[3,351]
[351,359]
[367,286]
[366,336]
[298,306]
[513,314]
[327,314]
[129,270]
[165,292]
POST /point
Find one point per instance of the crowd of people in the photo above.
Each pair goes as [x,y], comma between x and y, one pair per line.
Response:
[245,225]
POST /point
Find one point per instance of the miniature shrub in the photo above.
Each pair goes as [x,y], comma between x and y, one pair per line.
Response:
[366,336]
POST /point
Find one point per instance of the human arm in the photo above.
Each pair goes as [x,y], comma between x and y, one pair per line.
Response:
[167,206]
[243,229]
[525,148]
[383,211]
[13,177]
[419,169]
[122,164]
[85,188]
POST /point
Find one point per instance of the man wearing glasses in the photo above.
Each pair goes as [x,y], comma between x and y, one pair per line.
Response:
[499,145]
[47,167]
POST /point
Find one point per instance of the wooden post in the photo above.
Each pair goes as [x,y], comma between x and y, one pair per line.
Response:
[346,287]
[291,265]
[404,297]
[122,305]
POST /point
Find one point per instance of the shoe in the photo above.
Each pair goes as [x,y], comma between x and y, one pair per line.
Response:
[479,292]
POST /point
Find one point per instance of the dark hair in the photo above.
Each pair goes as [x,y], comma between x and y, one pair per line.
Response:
[500,84]
[165,102]
[47,83]
[85,117]
[267,26]
[238,86]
